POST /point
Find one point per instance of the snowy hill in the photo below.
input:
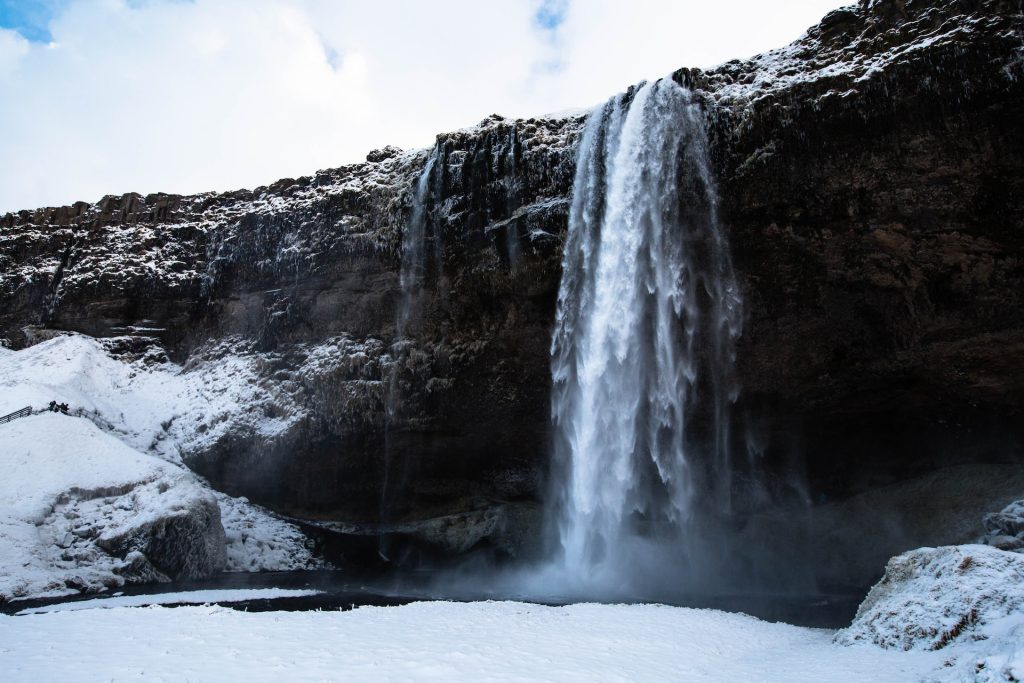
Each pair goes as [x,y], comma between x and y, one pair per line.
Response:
[98,497]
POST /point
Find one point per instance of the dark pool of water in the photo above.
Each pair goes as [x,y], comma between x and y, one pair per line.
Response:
[343,591]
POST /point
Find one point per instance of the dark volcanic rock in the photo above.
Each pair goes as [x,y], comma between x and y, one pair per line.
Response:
[872,184]
[312,264]
[185,541]
[874,194]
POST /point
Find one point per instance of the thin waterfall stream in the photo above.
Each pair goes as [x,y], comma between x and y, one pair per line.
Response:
[413,273]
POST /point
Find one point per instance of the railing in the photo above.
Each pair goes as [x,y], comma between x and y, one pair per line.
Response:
[24,412]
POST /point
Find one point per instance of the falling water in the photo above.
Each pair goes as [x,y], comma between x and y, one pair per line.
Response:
[413,273]
[414,255]
[643,345]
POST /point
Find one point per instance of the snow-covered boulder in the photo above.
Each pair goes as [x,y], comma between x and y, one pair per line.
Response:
[177,527]
[931,598]
[80,510]
[1005,529]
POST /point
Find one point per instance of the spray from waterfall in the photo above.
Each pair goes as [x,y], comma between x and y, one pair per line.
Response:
[643,346]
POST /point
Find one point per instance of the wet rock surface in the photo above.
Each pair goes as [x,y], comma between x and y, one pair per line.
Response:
[872,185]
[872,189]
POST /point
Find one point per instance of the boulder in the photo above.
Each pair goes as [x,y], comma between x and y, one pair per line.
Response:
[931,598]
[1005,529]
[178,531]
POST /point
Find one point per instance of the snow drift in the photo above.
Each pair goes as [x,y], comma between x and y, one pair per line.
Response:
[99,497]
[80,510]
[968,599]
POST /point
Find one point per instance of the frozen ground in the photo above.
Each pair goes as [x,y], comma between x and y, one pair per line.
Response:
[75,483]
[497,641]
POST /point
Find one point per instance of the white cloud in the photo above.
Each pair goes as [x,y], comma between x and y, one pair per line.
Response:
[13,49]
[216,94]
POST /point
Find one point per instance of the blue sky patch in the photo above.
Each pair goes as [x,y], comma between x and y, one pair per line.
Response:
[30,18]
[551,13]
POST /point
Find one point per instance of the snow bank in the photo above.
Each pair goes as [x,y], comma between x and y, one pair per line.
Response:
[96,497]
[49,454]
[199,597]
[495,641]
[80,510]
[930,598]
[965,600]
[148,402]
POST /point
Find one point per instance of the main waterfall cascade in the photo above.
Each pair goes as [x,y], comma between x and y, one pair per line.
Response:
[642,365]
[643,348]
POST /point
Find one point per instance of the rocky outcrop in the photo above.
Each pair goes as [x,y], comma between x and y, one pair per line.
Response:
[96,539]
[181,539]
[932,598]
[870,177]
[304,273]
[1005,529]
[160,530]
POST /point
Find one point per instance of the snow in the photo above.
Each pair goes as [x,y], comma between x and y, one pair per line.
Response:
[843,68]
[498,641]
[932,597]
[197,597]
[140,400]
[48,454]
[70,482]
[966,601]
[1005,529]
[51,459]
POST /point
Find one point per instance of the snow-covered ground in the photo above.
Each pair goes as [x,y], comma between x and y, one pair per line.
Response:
[947,614]
[494,641]
[73,485]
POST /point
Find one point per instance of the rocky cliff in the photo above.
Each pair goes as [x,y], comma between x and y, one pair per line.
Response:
[871,177]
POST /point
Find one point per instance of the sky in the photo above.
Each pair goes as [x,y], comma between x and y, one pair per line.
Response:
[109,96]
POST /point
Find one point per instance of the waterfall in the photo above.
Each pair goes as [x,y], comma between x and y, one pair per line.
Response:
[413,274]
[413,270]
[643,345]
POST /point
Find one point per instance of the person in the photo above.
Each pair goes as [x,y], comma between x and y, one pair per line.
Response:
[64,408]
[52,407]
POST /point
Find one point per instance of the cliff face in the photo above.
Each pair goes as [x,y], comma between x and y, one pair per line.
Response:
[873,190]
[304,275]
[872,185]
